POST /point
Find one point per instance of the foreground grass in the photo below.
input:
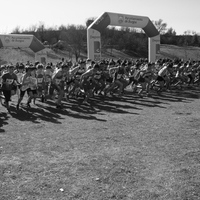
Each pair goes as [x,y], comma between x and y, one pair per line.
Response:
[126,148]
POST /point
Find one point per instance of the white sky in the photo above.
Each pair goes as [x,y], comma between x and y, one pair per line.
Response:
[181,15]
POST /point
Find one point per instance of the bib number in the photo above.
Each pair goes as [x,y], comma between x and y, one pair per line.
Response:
[40,80]
[58,81]
[9,81]
[119,76]
[48,79]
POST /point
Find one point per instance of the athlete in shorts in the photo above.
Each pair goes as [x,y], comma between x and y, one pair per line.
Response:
[25,86]
[20,73]
[47,80]
[40,81]
[58,83]
[9,85]
[87,82]
[33,94]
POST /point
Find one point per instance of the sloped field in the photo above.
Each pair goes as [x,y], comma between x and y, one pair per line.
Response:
[167,51]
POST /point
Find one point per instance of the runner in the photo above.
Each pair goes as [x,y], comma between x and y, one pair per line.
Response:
[111,80]
[20,74]
[98,81]
[103,77]
[117,74]
[40,75]
[33,94]
[87,81]
[163,74]
[25,86]
[47,80]
[145,78]
[2,71]
[58,83]
[9,85]
[76,79]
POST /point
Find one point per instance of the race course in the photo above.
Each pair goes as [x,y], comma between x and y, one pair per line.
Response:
[116,148]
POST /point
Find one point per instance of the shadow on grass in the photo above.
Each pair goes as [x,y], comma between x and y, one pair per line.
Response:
[170,97]
[49,113]
[82,112]
[35,114]
[3,118]
[100,105]
[145,101]
[186,95]
[191,92]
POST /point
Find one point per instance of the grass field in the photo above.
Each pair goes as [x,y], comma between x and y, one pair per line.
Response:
[117,148]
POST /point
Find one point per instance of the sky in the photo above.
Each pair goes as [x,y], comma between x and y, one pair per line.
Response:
[181,15]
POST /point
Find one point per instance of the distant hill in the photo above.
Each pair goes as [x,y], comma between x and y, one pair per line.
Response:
[171,51]
[167,51]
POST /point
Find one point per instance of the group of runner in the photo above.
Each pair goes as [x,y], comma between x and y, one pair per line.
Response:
[106,77]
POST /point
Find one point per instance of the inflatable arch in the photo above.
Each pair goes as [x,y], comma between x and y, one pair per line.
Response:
[21,41]
[24,41]
[116,19]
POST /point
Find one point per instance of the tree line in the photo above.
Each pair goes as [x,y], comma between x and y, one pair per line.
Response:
[131,41]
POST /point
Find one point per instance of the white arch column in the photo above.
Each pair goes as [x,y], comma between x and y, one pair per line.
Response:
[94,44]
[153,48]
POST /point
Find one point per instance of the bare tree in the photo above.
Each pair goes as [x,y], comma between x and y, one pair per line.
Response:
[33,28]
[188,32]
[170,32]
[160,25]
[41,30]
[16,30]
[89,21]
[62,28]
[73,39]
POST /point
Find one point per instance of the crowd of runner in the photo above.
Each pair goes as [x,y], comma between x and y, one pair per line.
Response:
[89,78]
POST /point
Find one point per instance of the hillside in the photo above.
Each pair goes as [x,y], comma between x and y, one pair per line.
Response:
[171,51]
[167,51]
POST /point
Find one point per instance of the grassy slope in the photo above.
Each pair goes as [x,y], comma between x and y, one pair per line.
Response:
[169,51]
[185,53]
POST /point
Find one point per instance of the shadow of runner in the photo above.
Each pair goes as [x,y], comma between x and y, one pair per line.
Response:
[3,118]
[34,114]
[172,97]
[97,105]
[66,112]
[144,102]
[187,94]
[86,117]
[100,105]
[133,100]
[192,94]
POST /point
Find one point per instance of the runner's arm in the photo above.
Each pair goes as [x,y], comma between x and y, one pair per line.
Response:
[86,74]
[16,82]
[3,79]
[73,71]
[55,76]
